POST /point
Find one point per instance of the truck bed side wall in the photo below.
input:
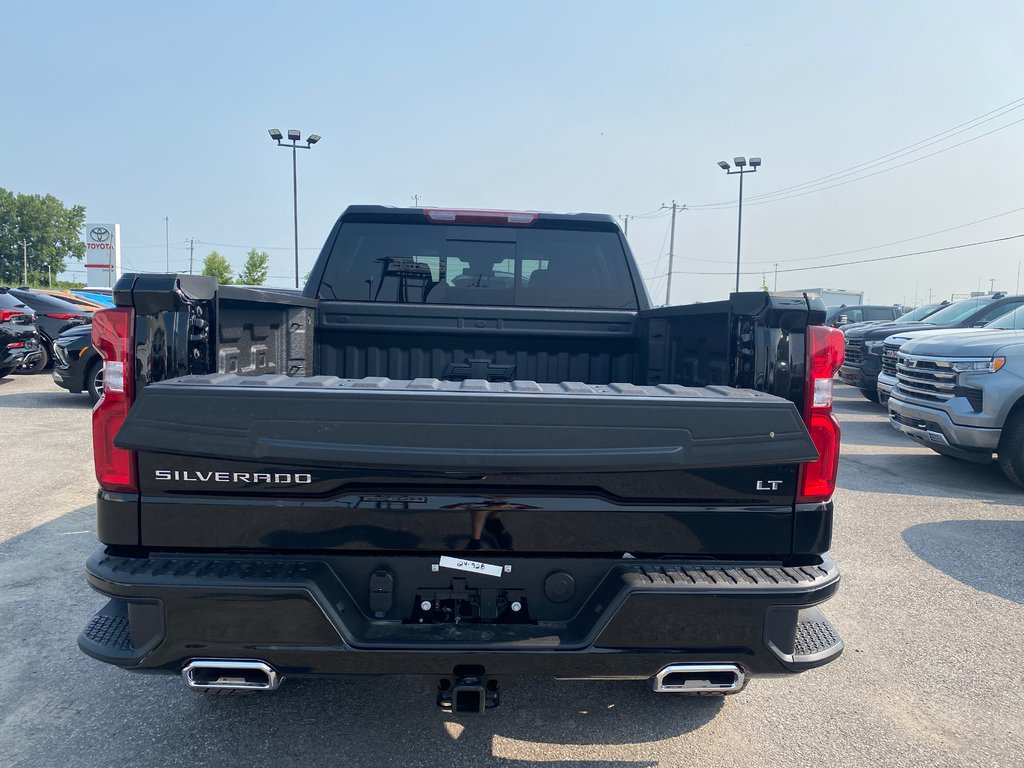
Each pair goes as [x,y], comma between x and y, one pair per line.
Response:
[752,340]
[186,325]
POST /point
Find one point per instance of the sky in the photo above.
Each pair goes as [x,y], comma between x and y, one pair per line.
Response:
[141,111]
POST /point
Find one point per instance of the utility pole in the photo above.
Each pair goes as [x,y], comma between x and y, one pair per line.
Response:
[929,295]
[671,249]
[991,285]
[625,223]
[24,254]
[49,277]
[191,251]
[167,241]
[776,277]
[416,201]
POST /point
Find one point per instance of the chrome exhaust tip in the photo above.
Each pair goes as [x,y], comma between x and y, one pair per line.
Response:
[699,678]
[230,675]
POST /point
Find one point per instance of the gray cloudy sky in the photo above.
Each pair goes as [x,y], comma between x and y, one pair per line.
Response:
[142,111]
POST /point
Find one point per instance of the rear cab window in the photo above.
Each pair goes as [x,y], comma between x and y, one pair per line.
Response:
[478,265]
[879,313]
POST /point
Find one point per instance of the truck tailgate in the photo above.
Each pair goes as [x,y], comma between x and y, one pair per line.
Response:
[325,463]
[472,425]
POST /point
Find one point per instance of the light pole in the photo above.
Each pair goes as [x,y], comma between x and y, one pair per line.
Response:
[741,168]
[294,137]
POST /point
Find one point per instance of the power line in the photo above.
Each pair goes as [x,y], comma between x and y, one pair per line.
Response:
[260,247]
[869,175]
[874,259]
[895,154]
[657,261]
[870,247]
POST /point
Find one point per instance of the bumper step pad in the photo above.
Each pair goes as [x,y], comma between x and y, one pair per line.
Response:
[814,636]
[111,637]
[112,633]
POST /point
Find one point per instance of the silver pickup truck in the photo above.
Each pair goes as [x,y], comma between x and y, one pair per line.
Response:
[891,345]
[962,393]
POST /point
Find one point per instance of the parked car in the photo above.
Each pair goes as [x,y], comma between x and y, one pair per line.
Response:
[19,340]
[418,465]
[860,313]
[910,317]
[1012,320]
[96,296]
[962,394]
[864,345]
[53,316]
[82,302]
[77,366]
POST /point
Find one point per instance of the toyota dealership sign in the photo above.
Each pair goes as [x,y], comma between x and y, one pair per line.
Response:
[102,254]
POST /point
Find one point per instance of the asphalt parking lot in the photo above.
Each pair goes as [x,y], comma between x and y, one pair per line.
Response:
[931,609]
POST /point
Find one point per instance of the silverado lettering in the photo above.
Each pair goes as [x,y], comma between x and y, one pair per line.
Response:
[232,477]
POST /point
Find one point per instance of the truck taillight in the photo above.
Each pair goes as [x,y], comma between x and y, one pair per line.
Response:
[113,337]
[824,358]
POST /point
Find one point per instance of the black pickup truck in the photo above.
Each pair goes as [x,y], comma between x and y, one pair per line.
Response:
[470,450]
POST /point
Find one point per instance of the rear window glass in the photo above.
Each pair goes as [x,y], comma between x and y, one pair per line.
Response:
[7,301]
[502,266]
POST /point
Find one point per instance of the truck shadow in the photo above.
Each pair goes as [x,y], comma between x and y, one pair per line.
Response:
[978,553]
[58,399]
[63,708]
[898,472]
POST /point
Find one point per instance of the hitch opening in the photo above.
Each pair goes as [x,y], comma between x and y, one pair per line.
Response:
[468,693]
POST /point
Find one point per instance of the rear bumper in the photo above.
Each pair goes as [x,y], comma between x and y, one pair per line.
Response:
[300,616]
[20,355]
[933,427]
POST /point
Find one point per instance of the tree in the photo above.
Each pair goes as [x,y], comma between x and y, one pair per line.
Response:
[53,232]
[217,266]
[255,269]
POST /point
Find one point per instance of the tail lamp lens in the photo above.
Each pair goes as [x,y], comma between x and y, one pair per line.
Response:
[824,358]
[113,337]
